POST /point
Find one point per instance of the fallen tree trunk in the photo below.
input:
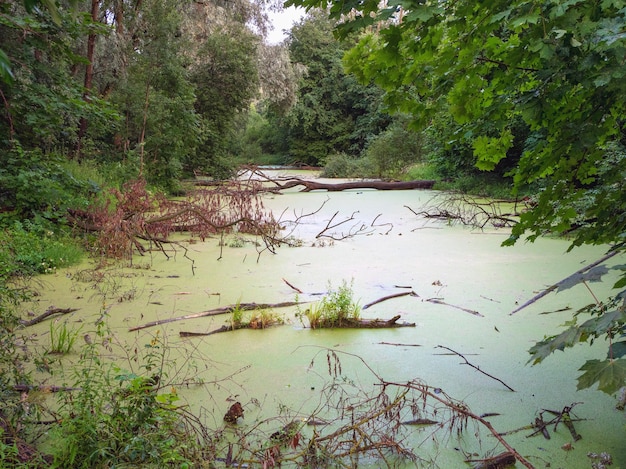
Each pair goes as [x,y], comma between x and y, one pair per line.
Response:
[224,328]
[310,185]
[345,324]
[218,311]
[353,323]
[502,460]
[51,311]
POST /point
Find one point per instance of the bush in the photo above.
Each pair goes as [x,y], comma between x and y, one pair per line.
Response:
[395,149]
[336,309]
[341,165]
[122,418]
[33,184]
[32,248]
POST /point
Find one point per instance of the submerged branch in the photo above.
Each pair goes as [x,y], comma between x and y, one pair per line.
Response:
[476,367]
[51,311]
[440,302]
[389,297]
[218,311]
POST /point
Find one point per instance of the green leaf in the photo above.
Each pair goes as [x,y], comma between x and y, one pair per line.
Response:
[5,68]
[490,151]
[593,275]
[423,13]
[617,350]
[546,347]
[609,374]
[604,323]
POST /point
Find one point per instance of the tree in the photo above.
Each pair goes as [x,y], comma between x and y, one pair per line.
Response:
[156,95]
[226,80]
[556,66]
[333,113]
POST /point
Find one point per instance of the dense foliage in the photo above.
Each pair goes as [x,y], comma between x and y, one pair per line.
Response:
[545,80]
[97,93]
[332,113]
[153,86]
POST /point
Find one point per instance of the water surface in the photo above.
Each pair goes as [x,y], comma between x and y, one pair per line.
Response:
[394,250]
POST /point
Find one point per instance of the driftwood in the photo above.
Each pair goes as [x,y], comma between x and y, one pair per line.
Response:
[296,289]
[51,311]
[556,285]
[218,311]
[500,461]
[420,422]
[310,185]
[439,302]
[224,328]
[399,345]
[345,324]
[372,323]
[389,297]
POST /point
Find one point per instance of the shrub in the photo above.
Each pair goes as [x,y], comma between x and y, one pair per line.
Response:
[32,248]
[336,309]
[341,165]
[394,150]
[122,418]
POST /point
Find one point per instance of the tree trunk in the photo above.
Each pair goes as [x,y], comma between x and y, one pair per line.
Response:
[91,47]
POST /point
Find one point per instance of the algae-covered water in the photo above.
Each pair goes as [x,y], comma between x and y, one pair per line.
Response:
[395,251]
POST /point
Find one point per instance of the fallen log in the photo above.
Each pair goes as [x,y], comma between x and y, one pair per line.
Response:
[500,461]
[310,185]
[345,324]
[224,328]
[218,311]
[353,323]
[51,311]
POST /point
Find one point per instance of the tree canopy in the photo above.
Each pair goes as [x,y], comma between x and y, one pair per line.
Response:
[544,79]
[557,65]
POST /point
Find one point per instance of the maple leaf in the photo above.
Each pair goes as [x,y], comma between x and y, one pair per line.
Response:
[544,348]
[609,374]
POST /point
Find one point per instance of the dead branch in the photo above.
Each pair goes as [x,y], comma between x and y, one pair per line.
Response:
[43,388]
[389,297]
[565,417]
[253,324]
[438,396]
[353,231]
[499,461]
[297,290]
[440,302]
[218,311]
[49,312]
[472,211]
[399,345]
[356,323]
[374,225]
[476,367]
[556,285]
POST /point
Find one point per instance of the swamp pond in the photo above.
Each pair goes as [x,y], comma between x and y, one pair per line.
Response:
[283,370]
